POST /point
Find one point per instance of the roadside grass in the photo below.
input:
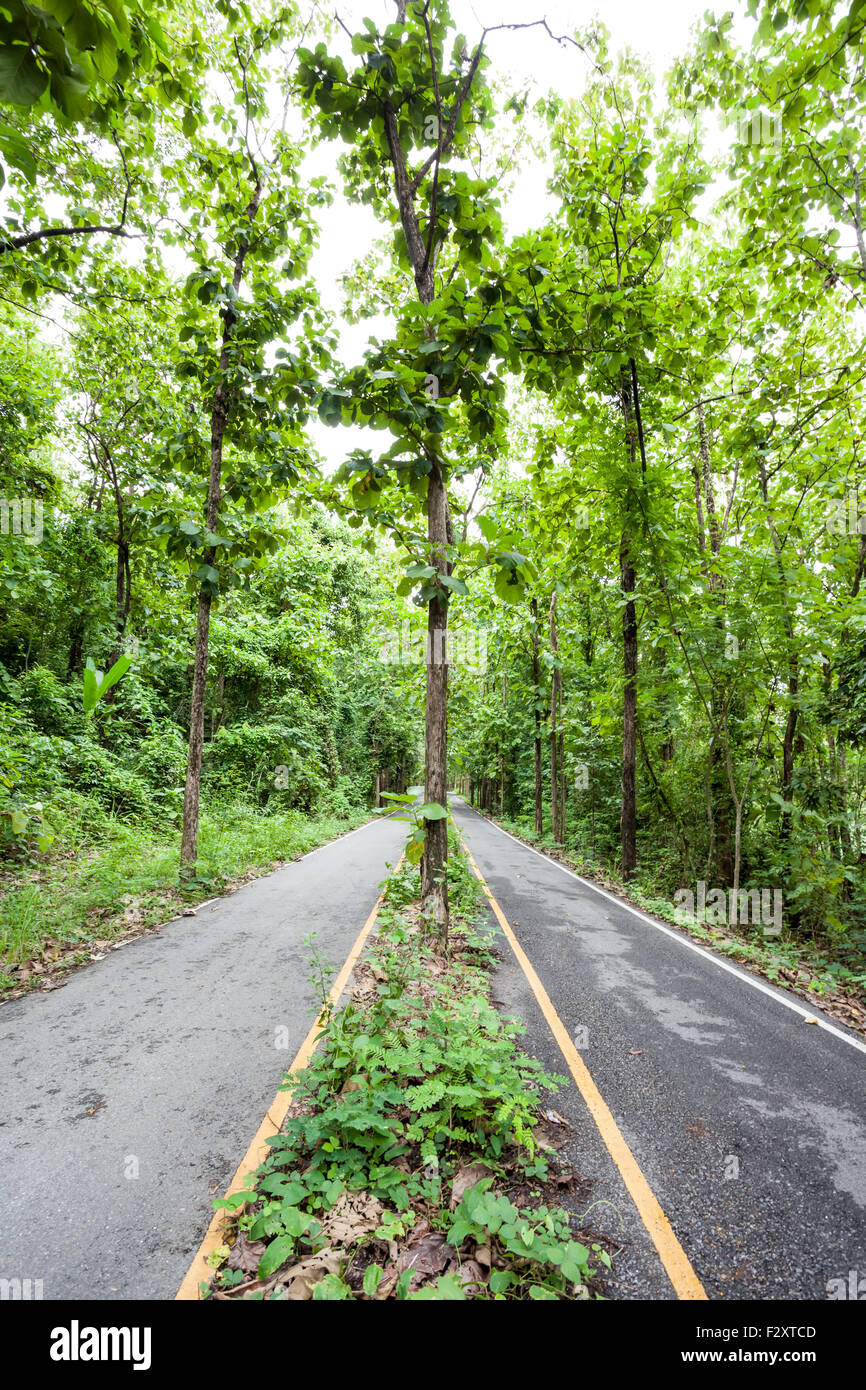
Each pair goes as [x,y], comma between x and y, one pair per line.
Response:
[56,907]
[415,1162]
[834,981]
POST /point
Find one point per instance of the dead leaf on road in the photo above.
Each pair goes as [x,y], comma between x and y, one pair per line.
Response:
[554,1117]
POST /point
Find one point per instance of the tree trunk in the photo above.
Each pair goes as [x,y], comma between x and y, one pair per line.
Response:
[561,770]
[434,862]
[628,582]
[628,810]
[192,790]
[554,727]
[122,600]
[793,665]
[219,418]
[723,850]
[536,686]
[502,745]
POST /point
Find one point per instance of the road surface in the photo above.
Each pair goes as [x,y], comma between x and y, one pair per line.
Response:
[748,1123]
[130,1095]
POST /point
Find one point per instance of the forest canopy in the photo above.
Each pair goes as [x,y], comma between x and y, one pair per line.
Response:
[563,511]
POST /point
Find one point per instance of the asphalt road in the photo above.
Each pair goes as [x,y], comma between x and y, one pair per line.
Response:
[129,1096]
[749,1124]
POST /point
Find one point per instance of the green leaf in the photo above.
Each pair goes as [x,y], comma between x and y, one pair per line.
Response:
[296,1222]
[452,582]
[331,1289]
[120,668]
[91,688]
[276,1254]
[22,81]
[372,1279]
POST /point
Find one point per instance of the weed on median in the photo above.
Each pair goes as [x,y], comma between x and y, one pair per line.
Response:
[411,1165]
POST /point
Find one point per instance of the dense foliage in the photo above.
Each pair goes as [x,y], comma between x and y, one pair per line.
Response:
[618,456]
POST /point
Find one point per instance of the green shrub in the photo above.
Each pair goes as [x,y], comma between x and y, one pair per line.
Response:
[93,770]
[263,761]
[49,704]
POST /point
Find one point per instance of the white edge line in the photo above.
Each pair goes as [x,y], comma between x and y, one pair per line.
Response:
[338,840]
[684,941]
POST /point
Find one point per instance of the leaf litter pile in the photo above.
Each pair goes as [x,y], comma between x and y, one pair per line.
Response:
[416,1161]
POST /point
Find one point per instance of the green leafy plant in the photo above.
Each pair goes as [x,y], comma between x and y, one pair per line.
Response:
[418,816]
[21,820]
[97,683]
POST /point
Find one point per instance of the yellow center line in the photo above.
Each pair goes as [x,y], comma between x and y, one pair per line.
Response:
[674,1259]
[258,1150]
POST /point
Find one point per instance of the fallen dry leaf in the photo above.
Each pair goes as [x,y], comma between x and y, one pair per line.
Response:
[469,1272]
[354,1214]
[429,1255]
[467,1175]
[299,1281]
[555,1118]
[245,1254]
